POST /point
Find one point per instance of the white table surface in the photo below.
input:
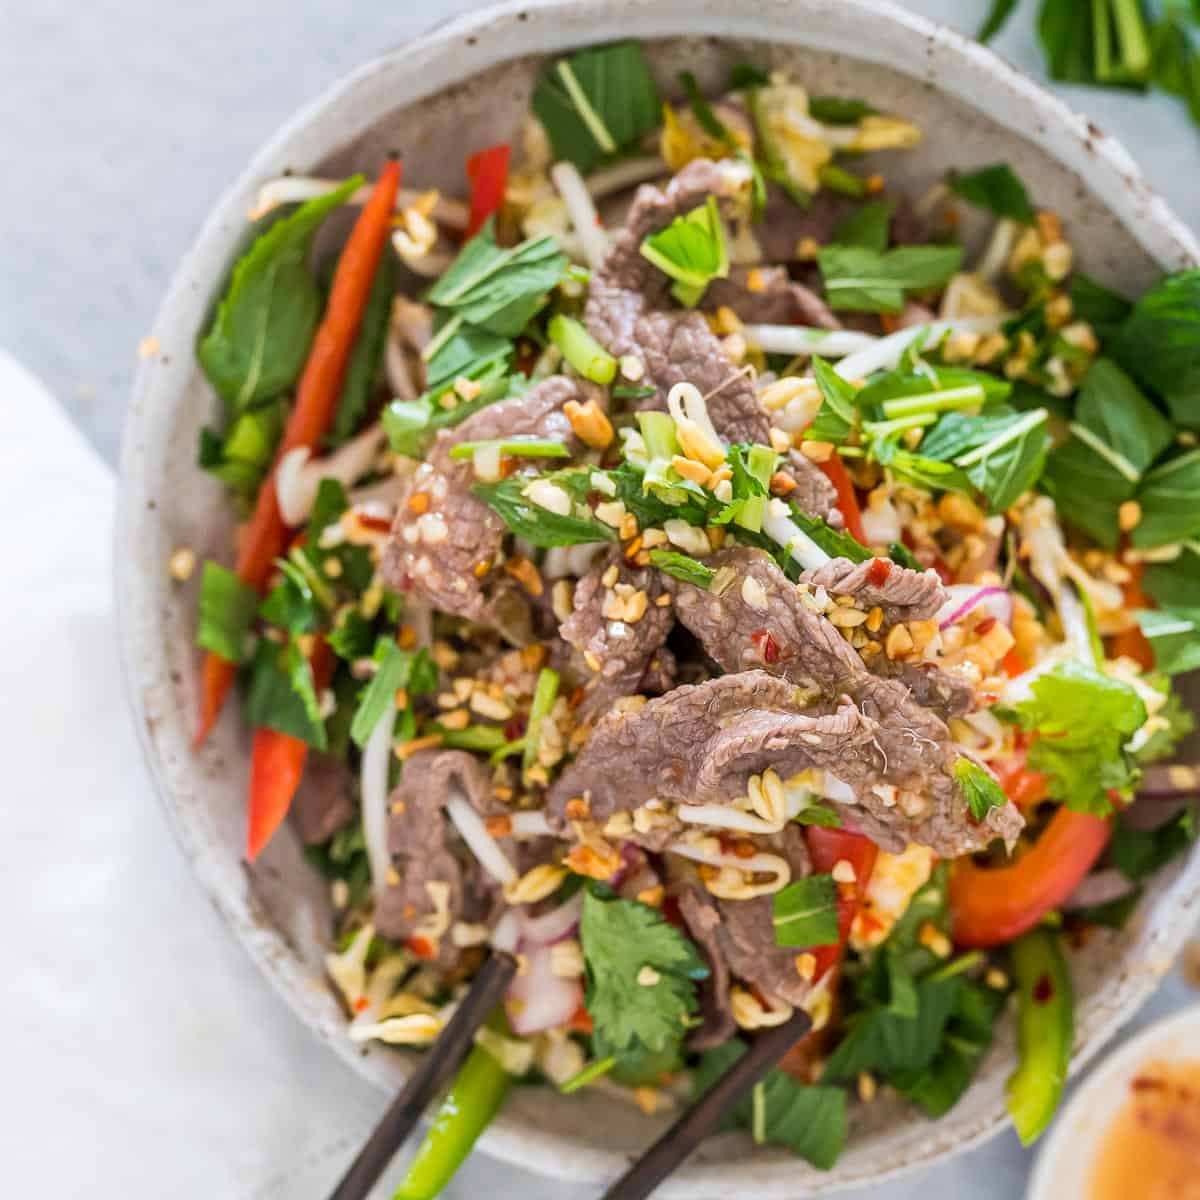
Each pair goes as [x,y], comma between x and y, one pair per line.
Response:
[120,121]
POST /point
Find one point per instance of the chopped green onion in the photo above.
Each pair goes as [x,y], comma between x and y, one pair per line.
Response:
[947,400]
[658,432]
[582,350]
[523,447]
[545,692]
[479,738]
[583,107]
[590,1073]
[885,429]
[624,391]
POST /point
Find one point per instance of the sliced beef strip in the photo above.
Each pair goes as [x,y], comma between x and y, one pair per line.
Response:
[425,850]
[902,593]
[703,921]
[618,653]
[701,744]
[768,296]
[628,311]
[448,563]
[325,798]
[802,646]
[947,693]
[785,224]
[813,493]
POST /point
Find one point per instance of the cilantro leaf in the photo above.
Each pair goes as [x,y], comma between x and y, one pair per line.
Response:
[620,939]
[227,609]
[979,788]
[806,912]
[1083,720]
[539,526]
[811,1121]
[597,102]
[259,338]
[861,280]
[682,566]
[692,250]
[997,188]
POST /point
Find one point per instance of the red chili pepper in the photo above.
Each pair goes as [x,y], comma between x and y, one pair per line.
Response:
[878,571]
[488,173]
[1012,664]
[766,645]
[847,501]
[421,947]
[581,1021]
[1023,787]
[276,767]
[827,847]
[993,905]
[1132,642]
[265,535]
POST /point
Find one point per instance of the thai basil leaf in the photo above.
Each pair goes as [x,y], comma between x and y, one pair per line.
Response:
[996,19]
[1175,583]
[1170,502]
[838,413]
[869,227]
[806,912]
[1112,407]
[1174,635]
[281,694]
[1104,310]
[538,526]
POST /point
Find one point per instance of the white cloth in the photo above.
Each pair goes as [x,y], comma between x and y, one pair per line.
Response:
[141,1054]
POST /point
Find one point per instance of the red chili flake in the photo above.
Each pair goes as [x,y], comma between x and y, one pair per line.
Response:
[379,524]
[944,573]
[422,947]
[766,645]
[516,727]
[1043,990]
[672,913]
[985,626]
[361,1004]
[878,572]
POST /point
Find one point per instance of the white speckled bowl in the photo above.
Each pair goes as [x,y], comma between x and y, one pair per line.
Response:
[441,97]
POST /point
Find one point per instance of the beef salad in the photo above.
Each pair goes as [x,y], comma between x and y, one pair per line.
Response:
[686,565]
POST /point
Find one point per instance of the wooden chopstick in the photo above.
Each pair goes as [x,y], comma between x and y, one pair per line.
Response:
[705,1115]
[432,1074]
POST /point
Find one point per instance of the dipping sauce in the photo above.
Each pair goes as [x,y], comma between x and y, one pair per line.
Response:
[1152,1149]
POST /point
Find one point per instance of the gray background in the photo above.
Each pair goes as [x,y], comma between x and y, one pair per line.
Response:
[122,120]
[120,123]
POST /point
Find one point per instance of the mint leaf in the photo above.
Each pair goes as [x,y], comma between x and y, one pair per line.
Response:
[681,566]
[811,1121]
[806,912]
[868,226]
[538,526]
[227,610]
[258,342]
[1174,635]
[861,280]
[281,694]
[979,788]
[396,670]
[1170,501]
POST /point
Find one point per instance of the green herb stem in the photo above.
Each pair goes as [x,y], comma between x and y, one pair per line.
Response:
[589,1074]
[948,400]
[545,692]
[518,447]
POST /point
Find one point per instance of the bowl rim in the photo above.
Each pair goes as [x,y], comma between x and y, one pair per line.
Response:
[545,26]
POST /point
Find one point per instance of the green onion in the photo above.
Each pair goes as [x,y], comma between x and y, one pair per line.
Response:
[583,107]
[523,447]
[480,738]
[582,350]
[885,429]
[302,564]
[545,692]
[947,400]
[658,432]
[623,391]
[593,1071]
[838,179]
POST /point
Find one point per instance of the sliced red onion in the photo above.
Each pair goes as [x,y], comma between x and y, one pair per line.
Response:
[538,999]
[554,925]
[1101,887]
[963,597]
